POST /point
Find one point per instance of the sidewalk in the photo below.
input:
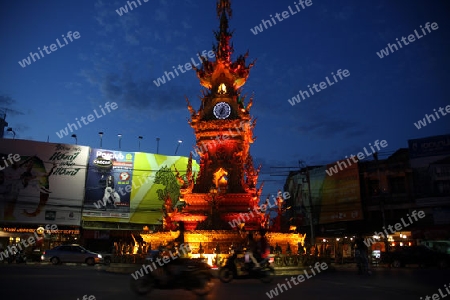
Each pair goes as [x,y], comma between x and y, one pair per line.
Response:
[352,267]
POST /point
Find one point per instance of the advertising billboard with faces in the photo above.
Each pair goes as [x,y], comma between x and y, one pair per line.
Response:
[108,184]
[131,186]
[41,183]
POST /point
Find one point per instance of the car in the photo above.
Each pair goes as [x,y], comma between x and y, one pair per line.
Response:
[440,246]
[107,258]
[71,253]
[35,255]
[420,255]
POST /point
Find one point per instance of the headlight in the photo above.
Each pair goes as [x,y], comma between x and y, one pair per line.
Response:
[99,255]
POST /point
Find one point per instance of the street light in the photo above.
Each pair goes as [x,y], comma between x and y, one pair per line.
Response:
[120,139]
[101,138]
[11,130]
[178,146]
[75,137]
[140,138]
[157,145]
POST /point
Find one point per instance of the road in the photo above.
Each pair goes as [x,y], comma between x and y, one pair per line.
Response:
[47,282]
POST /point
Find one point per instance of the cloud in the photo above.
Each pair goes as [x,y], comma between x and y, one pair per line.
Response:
[126,26]
[138,93]
[160,15]
[131,39]
[344,14]
[324,127]
[72,85]
[186,25]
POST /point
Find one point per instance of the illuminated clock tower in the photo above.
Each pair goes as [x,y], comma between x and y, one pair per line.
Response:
[225,186]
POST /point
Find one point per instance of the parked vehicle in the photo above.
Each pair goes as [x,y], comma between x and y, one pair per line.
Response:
[181,273]
[420,255]
[71,253]
[106,257]
[235,267]
[440,246]
[35,255]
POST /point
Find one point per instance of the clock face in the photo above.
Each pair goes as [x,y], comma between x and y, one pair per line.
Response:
[222,110]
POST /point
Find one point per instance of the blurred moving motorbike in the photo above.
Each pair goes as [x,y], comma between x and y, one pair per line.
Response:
[237,268]
[180,273]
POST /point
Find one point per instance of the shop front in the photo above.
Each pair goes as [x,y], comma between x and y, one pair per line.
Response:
[33,240]
[121,241]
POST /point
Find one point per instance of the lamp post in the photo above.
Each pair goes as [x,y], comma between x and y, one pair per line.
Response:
[101,138]
[75,137]
[13,132]
[140,138]
[178,146]
[120,140]
[157,145]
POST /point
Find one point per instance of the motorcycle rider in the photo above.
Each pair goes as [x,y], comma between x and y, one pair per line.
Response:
[263,245]
[175,266]
[251,248]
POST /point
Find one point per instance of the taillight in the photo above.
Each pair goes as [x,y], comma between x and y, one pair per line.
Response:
[43,253]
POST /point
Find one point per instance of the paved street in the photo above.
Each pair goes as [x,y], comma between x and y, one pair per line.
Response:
[65,282]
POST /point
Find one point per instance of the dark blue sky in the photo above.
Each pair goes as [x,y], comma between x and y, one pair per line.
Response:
[117,58]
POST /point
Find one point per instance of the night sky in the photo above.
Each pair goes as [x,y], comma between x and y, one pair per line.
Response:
[118,58]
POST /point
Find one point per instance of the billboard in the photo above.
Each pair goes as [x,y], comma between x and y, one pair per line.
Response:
[430,163]
[138,184]
[341,198]
[438,145]
[334,198]
[108,183]
[41,182]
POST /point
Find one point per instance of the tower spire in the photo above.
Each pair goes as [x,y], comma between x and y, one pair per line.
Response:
[224,6]
[223,49]
[233,73]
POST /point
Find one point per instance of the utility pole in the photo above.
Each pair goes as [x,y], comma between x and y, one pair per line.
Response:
[382,200]
[311,221]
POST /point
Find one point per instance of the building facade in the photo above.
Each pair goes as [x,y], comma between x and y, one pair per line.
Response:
[391,191]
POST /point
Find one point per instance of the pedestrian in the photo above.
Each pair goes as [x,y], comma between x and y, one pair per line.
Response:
[361,256]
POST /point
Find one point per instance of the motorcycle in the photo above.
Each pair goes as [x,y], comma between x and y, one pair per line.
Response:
[236,268]
[190,274]
[17,257]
